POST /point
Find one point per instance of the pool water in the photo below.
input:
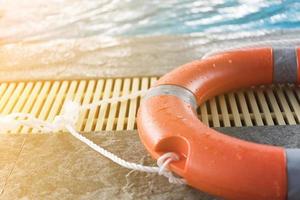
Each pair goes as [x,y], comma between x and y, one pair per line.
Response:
[125,37]
[65,18]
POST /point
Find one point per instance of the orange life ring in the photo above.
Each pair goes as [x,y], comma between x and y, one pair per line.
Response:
[211,161]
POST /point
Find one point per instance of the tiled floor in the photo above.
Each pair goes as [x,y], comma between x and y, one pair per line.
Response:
[10,148]
[60,167]
[57,166]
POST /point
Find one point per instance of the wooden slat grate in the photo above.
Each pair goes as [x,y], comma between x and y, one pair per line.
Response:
[257,106]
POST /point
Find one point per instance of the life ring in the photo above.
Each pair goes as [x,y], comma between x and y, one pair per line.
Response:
[208,160]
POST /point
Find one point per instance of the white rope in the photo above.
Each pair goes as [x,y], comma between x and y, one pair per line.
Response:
[161,169]
[68,119]
[281,42]
[114,99]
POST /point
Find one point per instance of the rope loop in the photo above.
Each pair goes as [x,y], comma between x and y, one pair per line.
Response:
[163,163]
[164,160]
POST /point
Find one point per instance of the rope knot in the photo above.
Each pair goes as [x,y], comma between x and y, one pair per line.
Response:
[69,116]
[163,162]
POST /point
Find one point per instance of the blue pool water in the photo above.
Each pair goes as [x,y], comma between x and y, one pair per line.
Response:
[96,38]
[181,17]
[84,18]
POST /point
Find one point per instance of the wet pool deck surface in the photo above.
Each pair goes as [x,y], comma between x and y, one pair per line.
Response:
[58,166]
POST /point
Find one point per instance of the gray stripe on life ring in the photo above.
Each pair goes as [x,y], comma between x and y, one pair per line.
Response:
[293,173]
[285,65]
[173,90]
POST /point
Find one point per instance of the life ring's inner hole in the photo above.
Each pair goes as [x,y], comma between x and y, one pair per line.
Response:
[270,108]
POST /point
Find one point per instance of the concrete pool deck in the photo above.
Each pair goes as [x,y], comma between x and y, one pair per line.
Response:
[52,166]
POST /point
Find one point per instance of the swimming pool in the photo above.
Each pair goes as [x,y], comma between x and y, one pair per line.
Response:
[181,17]
[83,18]
[91,38]
[132,43]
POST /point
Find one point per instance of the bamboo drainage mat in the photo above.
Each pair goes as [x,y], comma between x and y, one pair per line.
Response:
[259,106]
